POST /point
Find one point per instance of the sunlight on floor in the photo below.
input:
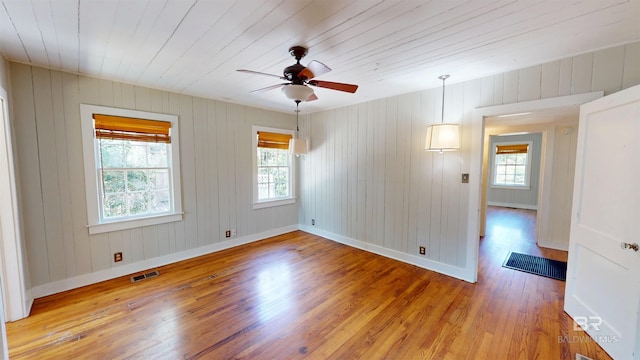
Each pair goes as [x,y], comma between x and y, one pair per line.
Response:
[274,289]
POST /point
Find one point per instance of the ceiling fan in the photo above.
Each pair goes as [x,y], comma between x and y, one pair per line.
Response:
[300,76]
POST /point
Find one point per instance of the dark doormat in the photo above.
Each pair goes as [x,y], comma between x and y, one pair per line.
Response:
[537,265]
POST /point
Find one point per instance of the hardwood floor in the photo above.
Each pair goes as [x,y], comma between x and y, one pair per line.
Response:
[301,296]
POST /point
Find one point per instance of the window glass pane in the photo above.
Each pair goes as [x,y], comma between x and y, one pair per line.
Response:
[112,154]
[113,181]
[158,179]
[138,203]
[136,154]
[510,169]
[521,159]
[157,154]
[114,206]
[136,180]
[281,182]
[273,174]
[160,201]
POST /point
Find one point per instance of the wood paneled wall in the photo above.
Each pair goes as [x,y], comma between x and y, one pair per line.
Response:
[216,158]
[517,198]
[367,177]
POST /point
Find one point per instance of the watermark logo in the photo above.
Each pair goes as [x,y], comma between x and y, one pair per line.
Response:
[585,323]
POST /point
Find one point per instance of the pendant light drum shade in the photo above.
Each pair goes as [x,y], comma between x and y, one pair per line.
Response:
[298,146]
[443,137]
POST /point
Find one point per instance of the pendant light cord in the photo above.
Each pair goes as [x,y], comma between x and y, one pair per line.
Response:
[297,114]
[443,78]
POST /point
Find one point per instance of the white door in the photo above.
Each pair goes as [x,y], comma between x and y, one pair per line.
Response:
[603,275]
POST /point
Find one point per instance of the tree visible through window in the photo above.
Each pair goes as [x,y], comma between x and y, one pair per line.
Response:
[273,181]
[134,178]
[511,164]
[273,173]
[132,168]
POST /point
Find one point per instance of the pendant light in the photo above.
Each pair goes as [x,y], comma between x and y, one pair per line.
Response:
[297,146]
[443,137]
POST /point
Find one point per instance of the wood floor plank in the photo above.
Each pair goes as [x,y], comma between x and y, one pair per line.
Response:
[300,296]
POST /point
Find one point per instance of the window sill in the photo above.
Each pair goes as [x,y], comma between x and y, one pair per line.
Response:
[511,187]
[272,203]
[133,223]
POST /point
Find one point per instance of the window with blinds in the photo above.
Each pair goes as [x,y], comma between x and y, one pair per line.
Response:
[273,178]
[134,164]
[511,164]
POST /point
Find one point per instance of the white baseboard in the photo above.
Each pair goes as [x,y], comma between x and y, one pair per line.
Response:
[516,206]
[446,269]
[107,274]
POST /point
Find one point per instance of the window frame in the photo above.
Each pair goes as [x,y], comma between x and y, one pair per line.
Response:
[96,224]
[527,174]
[291,199]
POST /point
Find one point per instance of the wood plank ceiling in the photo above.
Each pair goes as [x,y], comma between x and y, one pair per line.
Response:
[387,47]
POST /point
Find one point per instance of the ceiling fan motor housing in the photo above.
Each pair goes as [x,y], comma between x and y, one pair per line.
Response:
[291,72]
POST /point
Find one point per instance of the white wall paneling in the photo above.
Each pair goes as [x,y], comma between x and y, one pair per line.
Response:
[366,178]
[215,140]
[401,197]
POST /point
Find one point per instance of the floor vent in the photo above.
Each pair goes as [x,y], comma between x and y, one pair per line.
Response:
[141,277]
[582,357]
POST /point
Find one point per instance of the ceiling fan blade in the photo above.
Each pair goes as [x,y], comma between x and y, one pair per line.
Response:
[260,73]
[268,88]
[312,97]
[315,68]
[350,88]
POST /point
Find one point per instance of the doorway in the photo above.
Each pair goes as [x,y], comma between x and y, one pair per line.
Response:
[477,199]
[13,292]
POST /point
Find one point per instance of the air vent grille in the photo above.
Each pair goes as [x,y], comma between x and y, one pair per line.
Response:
[141,277]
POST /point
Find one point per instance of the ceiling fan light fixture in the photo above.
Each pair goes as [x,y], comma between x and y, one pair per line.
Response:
[297,92]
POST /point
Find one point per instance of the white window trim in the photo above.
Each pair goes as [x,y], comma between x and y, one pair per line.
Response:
[91,169]
[292,181]
[527,171]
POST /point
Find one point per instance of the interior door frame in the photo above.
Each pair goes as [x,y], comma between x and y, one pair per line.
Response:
[475,170]
[15,297]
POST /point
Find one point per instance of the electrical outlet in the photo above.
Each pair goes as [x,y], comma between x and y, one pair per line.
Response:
[423,250]
[227,233]
[117,257]
[313,222]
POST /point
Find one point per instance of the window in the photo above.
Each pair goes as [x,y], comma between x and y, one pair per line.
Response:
[132,169]
[511,164]
[273,167]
